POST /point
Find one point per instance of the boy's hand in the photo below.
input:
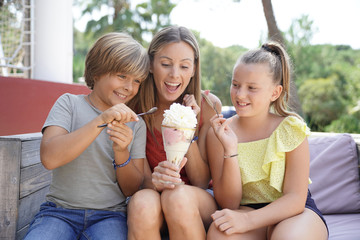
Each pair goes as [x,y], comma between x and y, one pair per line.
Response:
[119,112]
[120,134]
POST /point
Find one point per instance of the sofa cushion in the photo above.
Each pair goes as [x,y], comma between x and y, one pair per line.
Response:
[343,226]
[334,173]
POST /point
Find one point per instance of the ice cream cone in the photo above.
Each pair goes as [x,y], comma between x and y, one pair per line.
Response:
[176,142]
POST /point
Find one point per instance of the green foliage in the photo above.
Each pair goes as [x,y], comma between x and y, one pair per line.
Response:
[216,68]
[81,47]
[145,19]
[154,15]
[322,101]
[326,76]
[349,123]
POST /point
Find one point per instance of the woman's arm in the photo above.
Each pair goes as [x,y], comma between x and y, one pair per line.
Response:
[197,167]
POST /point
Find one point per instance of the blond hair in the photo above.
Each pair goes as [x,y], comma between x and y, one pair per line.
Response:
[273,54]
[113,53]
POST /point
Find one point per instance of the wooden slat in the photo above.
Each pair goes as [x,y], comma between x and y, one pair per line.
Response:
[10,153]
[33,178]
[30,152]
[29,206]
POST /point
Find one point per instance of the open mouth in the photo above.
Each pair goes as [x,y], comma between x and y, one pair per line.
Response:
[172,87]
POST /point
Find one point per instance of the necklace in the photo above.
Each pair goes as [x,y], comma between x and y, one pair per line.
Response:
[90,101]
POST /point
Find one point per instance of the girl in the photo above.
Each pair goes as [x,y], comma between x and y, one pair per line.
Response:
[174,77]
[94,170]
[261,170]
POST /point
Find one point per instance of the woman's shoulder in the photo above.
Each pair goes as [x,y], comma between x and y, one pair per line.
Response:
[212,97]
[210,101]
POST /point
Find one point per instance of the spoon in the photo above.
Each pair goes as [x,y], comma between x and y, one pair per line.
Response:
[217,113]
[150,111]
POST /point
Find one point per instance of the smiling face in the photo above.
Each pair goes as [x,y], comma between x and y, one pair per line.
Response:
[111,89]
[252,89]
[172,68]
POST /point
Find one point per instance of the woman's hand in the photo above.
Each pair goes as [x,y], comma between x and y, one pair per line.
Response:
[119,112]
[120,134]
[224,133]
[189,101]
[166,175]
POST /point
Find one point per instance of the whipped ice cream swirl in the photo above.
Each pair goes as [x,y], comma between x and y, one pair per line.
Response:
[179,116]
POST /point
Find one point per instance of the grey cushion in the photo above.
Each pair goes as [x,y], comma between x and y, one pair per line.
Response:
[334,173]
[343,226]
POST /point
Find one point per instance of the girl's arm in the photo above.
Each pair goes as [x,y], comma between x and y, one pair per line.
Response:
[197,167]
[225,172]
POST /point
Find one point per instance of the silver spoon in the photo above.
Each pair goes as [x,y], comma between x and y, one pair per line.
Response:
[151,110]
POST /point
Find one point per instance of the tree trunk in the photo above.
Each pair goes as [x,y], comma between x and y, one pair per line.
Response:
[275,34]
[273,30]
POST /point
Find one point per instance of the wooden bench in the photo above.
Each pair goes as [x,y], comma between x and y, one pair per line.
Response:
[24,182]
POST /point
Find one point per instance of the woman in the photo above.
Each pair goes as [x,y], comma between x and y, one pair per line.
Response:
[186,209]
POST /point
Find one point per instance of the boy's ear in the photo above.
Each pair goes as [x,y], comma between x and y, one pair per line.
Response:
[276,93]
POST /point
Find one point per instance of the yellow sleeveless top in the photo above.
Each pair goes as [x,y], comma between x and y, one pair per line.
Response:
[262,162]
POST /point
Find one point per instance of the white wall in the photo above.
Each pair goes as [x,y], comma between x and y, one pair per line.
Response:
[53,52]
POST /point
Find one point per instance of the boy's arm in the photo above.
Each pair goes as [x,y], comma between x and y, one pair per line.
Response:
[147,176]
[131,176]
[59,147]
[130,173]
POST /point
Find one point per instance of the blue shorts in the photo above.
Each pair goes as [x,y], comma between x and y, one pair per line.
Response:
[310,204]
[53,222]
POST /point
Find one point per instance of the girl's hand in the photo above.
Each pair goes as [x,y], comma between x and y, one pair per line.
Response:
[230,221]
[119,112]
[224,133]
[166,175]
[189,100]
[120,134]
